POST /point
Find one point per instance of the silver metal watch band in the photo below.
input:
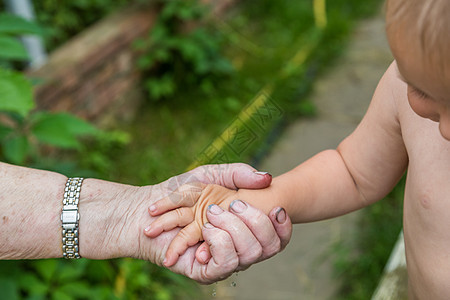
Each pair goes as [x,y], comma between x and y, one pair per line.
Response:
[70,217]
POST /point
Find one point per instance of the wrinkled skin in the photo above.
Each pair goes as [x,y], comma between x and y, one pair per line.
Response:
[232,242]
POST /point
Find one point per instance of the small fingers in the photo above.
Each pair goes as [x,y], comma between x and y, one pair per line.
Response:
[185,195]
[188,236]
[176,218]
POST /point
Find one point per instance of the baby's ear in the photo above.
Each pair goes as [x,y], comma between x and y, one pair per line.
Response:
[185,195]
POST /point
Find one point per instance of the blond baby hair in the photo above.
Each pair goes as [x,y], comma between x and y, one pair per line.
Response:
[428,22]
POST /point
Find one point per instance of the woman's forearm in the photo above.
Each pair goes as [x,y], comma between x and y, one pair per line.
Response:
[31,205]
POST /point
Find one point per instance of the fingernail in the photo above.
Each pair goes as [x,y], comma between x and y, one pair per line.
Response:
[238,206]
[262,173]
[281,216]
[208,225]
[148,228]
[215,209]
[152,208]
[164,261]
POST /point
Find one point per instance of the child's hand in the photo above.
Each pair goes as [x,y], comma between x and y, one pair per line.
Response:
[188,206]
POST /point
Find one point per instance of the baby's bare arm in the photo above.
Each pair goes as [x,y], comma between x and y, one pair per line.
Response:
[362,170]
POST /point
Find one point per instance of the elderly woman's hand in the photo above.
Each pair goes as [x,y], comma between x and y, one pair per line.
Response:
[233,240]
[112,217]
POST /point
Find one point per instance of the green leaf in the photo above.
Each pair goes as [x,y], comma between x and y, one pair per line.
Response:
[161,55]
[145,62]
[9,289]
[10,269]
[161,87]
[4,131]
[12,48]
[15,93]
[11,24]
[60,295]
[159,33]
[46,268]
[36,297]
[102,292]
[61,129]
[98,270]
[71,271]
[76,289]
[15,148]
[30,283]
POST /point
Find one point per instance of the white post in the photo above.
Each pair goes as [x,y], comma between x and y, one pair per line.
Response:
[393,283]
[33,44]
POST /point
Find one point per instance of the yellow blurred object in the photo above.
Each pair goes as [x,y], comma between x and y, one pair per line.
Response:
[320,13]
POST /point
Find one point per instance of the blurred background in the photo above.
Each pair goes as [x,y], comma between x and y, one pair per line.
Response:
[136,91]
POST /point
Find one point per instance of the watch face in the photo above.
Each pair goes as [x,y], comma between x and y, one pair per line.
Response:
[70,216]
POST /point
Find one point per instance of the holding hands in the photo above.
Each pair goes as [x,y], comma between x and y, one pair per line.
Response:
[234,239]
[109,219]
[195,200]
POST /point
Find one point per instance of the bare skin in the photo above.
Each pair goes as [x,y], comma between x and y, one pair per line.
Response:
[424,116]
[198,200]
[112,214]
[406,128]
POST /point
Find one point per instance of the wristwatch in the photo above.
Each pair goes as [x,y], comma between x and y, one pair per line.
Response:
[70,217]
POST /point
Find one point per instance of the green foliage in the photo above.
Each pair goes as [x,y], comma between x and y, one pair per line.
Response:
[21,129]
[97,157]
[64,19]
[21,136]
[90,279]
[61,130]
[10,46]
[14,25]
[179,54]
[15,92]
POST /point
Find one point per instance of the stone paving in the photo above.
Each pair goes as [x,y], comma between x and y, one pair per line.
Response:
[305,269]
